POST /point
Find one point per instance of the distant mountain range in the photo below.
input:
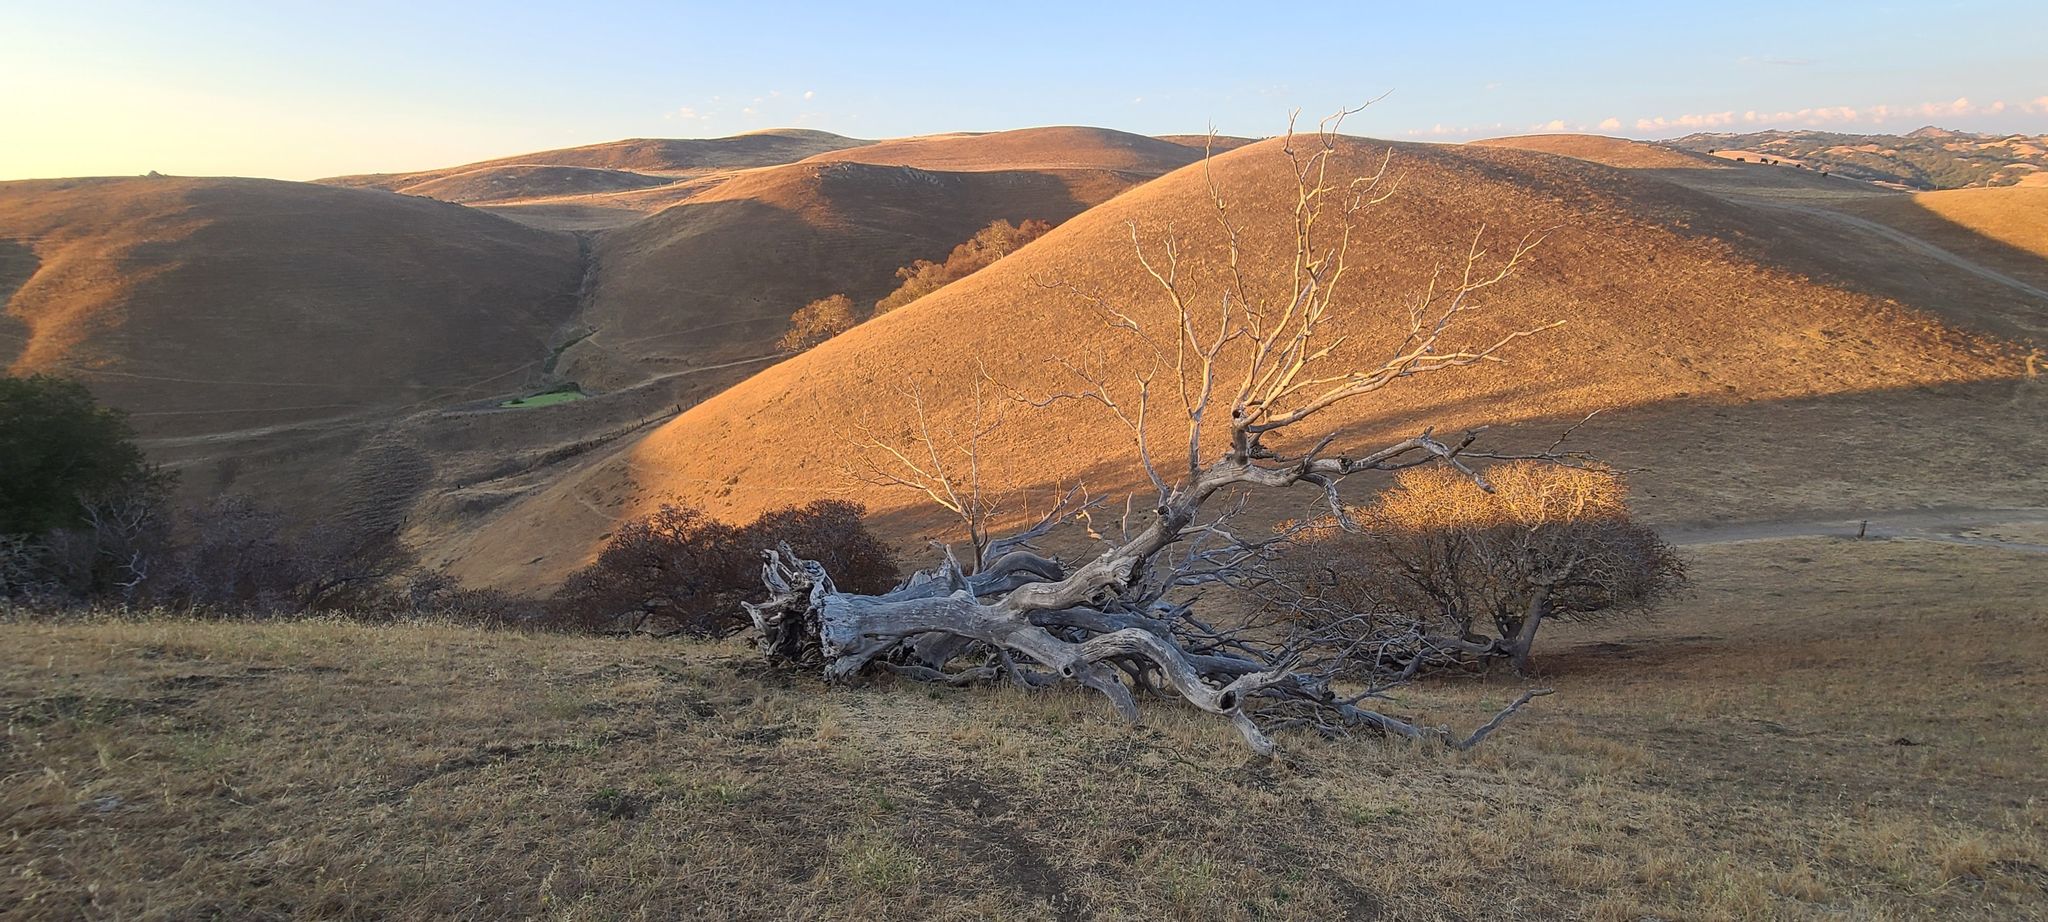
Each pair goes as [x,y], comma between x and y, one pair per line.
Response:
[1927,159]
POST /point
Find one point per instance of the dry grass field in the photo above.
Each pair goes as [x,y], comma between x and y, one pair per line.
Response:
[1826,729]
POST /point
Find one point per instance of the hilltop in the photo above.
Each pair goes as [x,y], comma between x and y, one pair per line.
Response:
[1058,148]
[1927,159]
[1641,269]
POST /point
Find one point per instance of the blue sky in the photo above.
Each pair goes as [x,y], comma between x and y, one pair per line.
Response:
[301,90]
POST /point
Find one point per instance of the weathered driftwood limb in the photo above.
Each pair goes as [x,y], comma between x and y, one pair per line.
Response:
[1122,622]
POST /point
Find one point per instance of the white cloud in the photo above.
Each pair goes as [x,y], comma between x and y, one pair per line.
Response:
[1556,124]
[1694,121]
[1610,124]
[685,113]
[808,94]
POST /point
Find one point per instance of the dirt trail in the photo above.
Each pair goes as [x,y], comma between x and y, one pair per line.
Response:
[1903,239]
[1948,525]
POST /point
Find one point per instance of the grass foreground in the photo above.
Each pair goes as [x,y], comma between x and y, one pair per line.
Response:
[1826,729]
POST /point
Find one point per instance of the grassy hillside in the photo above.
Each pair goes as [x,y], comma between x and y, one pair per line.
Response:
[1677,307]
[213,305]
[1615,152]
[2009,226]
[1823,732]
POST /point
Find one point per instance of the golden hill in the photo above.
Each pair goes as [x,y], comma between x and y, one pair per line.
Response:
[714,279]
[1615,152]
[1058,148]
[207,305]
[670,156]
[1680,315]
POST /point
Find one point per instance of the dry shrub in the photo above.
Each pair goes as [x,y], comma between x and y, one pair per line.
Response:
[816,322]
[679,570]
[1441,568]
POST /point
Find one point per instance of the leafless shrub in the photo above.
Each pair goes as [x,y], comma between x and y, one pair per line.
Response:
[234,554]
[678,570]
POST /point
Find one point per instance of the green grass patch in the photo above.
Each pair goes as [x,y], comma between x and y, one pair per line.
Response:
[561,394]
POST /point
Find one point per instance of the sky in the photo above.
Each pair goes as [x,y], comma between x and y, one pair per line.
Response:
[302,90]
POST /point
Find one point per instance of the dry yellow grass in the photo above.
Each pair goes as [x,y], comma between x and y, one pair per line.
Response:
[1828,729]
[2005,227]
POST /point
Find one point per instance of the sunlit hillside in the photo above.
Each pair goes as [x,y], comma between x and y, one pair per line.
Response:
[1677,308]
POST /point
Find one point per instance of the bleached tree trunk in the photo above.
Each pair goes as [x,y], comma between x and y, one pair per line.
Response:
[1114,623]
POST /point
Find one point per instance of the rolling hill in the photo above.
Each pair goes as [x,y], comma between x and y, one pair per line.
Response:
[1685,313]
[210,305]
[1926,159]
[1058,148]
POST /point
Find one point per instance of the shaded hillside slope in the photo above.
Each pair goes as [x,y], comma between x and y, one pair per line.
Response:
[715,278]
[515,182]
[1057,148]
[673,156]
[1673,302]
[206,305]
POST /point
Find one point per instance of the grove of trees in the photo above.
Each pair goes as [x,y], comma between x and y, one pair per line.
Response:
[920,278]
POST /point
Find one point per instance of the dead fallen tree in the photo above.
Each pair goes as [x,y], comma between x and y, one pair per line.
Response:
[1244,372]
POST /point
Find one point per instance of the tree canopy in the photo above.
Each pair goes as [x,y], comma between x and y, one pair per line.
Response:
[57,447]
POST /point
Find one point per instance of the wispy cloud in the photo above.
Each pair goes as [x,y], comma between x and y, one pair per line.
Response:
[1441,130]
